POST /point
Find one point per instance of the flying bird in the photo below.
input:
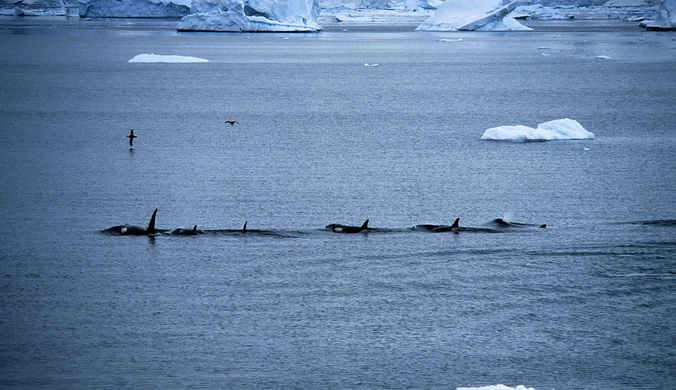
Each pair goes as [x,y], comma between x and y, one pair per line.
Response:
[231,122]
[131,137]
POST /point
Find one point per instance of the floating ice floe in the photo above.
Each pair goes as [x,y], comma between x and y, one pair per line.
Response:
[559,129]
[166,58]
[252,15]
[474,15]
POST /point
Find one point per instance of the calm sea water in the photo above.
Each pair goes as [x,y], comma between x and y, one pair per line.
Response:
[588,303]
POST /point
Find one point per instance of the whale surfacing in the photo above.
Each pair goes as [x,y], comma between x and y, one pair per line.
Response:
[455,228]
[503,223]
[134,230]
[186,232]
[349,229]
[440,228]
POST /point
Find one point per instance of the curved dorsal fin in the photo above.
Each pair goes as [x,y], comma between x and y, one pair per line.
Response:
[194,229]
[365,225]
[456,223]
[244,227]
[151,224]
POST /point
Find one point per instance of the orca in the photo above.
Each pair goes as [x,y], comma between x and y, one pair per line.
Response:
[338,228]
[455,228]
[245,231]
[231,122]
[186,232]
[440,228]
[503,223]
[133,230]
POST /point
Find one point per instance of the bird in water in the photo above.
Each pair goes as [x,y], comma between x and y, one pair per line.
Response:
[131,137]
[231,122]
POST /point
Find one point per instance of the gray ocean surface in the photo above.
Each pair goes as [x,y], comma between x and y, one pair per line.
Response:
[587,303]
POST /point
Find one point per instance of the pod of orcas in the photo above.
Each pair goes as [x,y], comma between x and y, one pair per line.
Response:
[499,225]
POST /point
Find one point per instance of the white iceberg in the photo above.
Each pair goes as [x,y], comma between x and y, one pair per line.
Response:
[665,18]
[252,15]
[134,8]
[166,58]
[559,129]
[472,15]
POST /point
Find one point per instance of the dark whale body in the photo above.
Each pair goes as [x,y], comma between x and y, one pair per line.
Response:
[134,230]
[339,228]
[186,232]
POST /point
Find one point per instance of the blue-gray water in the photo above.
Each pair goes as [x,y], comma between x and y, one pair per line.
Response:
[588,303]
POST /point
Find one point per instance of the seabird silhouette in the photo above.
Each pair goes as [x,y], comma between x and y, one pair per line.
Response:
[131,137]
[231,122]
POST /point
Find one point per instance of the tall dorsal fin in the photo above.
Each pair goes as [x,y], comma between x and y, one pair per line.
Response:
[194,229]
[244,227]
[151,224]
[365,225]
[456,224]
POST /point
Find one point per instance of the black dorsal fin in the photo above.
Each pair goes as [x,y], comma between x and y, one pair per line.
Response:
[456,224]
[544,226]
[194,229]
[244,227]
[151,224]
[365,225]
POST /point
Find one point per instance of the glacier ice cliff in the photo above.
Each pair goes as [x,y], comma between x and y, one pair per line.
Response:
[35,7]
[665,18]
[252,15]
[474,15]
[134,8]
[263,15]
